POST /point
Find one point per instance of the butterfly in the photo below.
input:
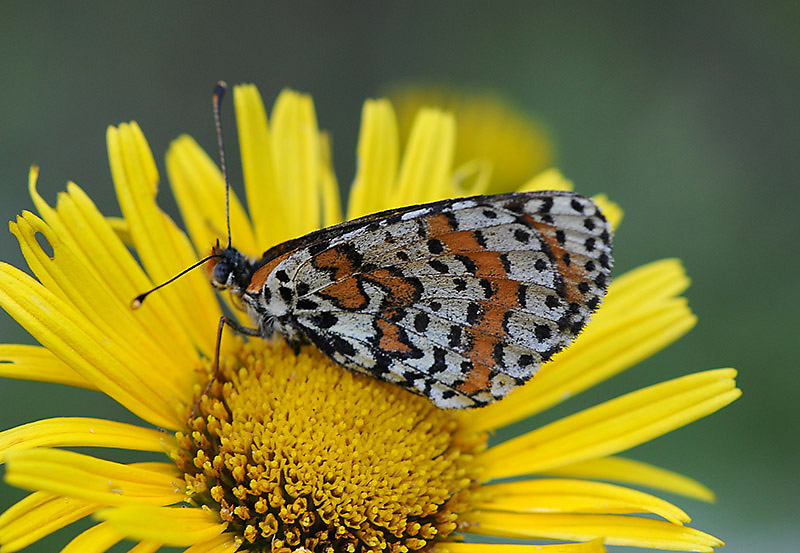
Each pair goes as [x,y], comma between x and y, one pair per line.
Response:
[460,300]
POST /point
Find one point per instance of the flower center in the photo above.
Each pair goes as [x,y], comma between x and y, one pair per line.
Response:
[296,452]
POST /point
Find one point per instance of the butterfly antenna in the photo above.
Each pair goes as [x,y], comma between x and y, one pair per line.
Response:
[139,300]
[219,93]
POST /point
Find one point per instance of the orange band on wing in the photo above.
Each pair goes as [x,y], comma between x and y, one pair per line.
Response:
[260,276]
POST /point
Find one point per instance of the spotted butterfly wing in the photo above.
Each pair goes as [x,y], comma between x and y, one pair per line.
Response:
[459,300]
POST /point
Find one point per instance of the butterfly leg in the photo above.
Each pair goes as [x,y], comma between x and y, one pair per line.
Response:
[238,328]
[295,344]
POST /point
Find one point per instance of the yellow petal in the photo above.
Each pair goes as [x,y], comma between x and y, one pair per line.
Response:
[63,273]
[199,190]
[224,543]
[472,178]
[550,179]
[425,173]
[83,432]
[638,318]
[490,129]
[329,188]
[574,496]
[594,546]
[163,249]
[38,515]
[296,144]
[39,364]
[628,471]
[178,526]
[120,228]
[94,480]
[262,187]
[378,152]
[646,285]
[615,425]
[97,539]
[79,344]
[611,210]
[80,225]
[614,529]
[145,547]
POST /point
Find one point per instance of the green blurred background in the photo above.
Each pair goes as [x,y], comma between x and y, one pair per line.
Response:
[685,113]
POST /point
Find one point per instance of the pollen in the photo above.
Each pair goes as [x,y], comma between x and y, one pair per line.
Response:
[296,453]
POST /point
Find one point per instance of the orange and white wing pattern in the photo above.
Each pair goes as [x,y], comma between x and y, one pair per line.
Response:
[459,300]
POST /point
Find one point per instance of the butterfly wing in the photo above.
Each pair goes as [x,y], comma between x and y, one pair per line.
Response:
[460,300]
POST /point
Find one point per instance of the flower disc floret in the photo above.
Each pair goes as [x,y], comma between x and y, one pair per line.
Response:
[292,451]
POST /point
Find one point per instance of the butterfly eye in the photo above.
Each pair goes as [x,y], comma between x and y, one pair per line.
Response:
[221,272]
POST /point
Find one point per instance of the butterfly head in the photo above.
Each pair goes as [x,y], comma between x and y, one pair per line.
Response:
[228,268]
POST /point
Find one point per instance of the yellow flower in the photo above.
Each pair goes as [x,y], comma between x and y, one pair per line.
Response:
[498,145]
[291,452]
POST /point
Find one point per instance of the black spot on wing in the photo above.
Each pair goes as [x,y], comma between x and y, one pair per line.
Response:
[324,319]
[435,246]
[474,313]
[480,238]
[506,262]
[438,266]
[454,336]
[306,304]
[522,295]
[421,321]
[439,363]
[488,289]
[542,332]
[469,264]
[286,293]
[498,354]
